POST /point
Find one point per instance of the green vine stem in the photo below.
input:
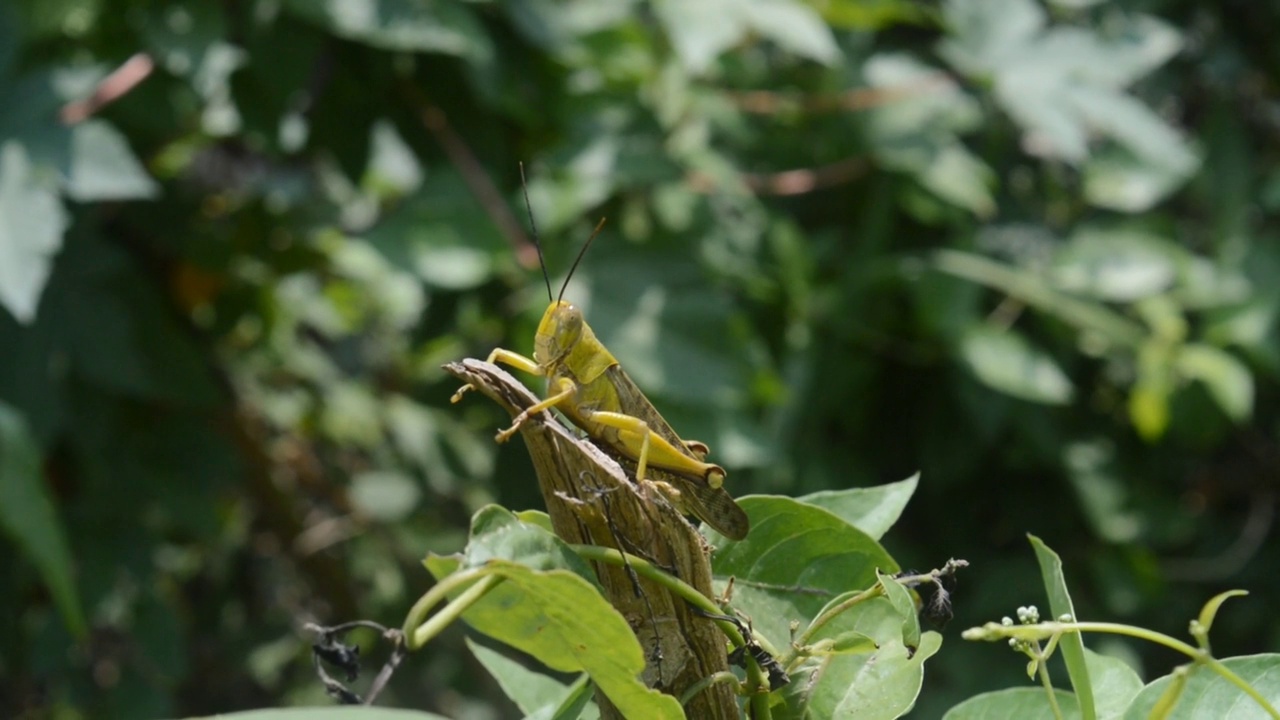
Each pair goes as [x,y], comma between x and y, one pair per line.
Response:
[756,679]
[1038,631]
[832,611]
[418,630]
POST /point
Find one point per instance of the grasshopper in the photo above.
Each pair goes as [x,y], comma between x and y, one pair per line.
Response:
[586,383]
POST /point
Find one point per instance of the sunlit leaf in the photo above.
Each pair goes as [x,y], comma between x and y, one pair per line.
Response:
[536,694]
[797,557]
[31,224]
[1208,694]
[1006,362]
[872,510]
[1024,703]
[444,26]
[1228,380]
[103,167]
[553,613]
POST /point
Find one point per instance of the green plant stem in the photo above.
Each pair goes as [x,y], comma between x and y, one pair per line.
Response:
[834,610]
[757,685]
[1042,670]
[417,630]
[724,676]
[756,679]
[649,571]
[1033,289]
[995,631]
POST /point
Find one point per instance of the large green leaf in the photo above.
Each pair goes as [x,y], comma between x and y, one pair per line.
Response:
[27,515]
[919,133]
[554,614]
[441,26]
[1064,84]
[1209,695]
[701,31]
[795,559]
[880,682]
[872,510]
[103,166]
[1022,703]
[1114,686]
[539,696]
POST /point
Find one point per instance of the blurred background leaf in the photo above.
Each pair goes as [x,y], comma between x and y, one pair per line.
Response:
[1025,249]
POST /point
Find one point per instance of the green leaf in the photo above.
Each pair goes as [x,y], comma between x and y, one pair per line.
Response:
[1115,683]
[385,495]
[1209,695]
[32,221]
[905,605]
[442,26]
[327,713]
[1116,179]
[103,166]
[497,534]
[28,516]
[1006,362]
[701,31]
[1210,610]
[442,234]
[919,133]
[1229,381]
[1071,646]
[539,696]
[1064,84]
[553,614]
[562,620]
[872,510]
[877,684]
[1034,289]
[794,26]
[795,559]
[1117,265]
[1023,703]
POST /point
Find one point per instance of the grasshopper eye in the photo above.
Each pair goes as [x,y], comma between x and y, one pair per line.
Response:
[570,326]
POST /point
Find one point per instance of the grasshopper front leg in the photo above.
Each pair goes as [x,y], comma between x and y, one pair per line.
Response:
[520,362]
[506,357]
[645,445]
[565,389]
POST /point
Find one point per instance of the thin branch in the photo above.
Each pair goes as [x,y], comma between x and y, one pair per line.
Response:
[473,174]
[114,86]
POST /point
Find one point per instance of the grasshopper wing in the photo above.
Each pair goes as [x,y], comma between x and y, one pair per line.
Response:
[714,506]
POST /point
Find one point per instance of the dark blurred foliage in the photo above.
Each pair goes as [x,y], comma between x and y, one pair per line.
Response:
[1027,250]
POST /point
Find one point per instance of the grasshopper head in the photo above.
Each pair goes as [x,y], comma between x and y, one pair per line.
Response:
[558,333]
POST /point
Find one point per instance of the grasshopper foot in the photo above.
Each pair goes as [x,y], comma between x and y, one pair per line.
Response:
[461,391]
[505,435]
[715,477]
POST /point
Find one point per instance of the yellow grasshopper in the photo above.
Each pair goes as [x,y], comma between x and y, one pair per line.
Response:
[586,383]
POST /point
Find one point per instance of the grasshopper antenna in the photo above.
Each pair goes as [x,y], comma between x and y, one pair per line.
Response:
[542,262]
[578,259]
